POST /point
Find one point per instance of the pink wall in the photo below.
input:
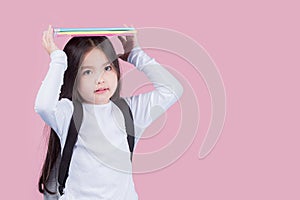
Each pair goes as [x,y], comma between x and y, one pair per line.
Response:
[253,44]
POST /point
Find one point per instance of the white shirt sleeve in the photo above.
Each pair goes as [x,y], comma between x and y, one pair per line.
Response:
[149,106]
[56,113]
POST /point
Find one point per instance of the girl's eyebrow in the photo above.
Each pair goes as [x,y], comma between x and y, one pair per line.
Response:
[82,67]
[86,67]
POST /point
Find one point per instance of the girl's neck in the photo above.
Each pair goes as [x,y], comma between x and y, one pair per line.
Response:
[97,105]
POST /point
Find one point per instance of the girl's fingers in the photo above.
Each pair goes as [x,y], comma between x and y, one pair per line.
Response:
[49,34]
[44,39]
[48,40]
[122,39]
[44,36]
[49,29]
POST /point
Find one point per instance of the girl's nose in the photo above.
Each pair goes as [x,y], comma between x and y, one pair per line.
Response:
[100,79]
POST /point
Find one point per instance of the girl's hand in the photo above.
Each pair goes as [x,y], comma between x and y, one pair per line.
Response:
[128,42]
[48,41]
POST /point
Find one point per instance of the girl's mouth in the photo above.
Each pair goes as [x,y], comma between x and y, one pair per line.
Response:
[101,90]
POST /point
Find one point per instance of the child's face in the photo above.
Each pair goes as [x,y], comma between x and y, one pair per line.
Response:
[97,79]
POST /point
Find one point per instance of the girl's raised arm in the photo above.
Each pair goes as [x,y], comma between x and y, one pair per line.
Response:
[47,103]
[149,106]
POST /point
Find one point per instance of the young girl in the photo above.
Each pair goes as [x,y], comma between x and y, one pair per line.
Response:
[87,71]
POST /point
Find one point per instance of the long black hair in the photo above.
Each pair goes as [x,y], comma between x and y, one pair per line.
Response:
[75,49]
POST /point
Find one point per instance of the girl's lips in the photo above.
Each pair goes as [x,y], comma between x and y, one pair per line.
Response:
[101,90]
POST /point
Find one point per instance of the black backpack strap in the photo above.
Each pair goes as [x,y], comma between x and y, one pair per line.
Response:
[129,125]
[69,145]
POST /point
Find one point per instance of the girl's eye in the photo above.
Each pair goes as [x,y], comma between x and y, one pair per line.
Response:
[108,68]
[87,72]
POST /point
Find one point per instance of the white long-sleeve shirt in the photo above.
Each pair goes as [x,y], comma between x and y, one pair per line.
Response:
[100,167]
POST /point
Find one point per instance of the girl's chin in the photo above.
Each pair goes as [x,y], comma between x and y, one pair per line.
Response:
[101,100]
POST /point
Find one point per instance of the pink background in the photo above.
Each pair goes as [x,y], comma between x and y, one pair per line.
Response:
[255,45]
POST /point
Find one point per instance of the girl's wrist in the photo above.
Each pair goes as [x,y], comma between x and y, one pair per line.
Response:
[133,51]
[57,53]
